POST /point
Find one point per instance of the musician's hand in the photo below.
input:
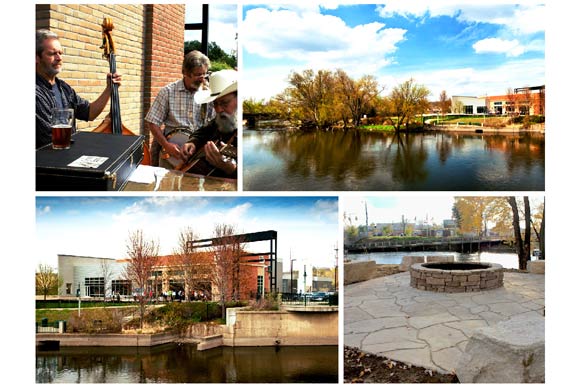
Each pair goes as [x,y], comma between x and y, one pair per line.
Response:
[114,78]
[174,150]
[187,150]
[215,158]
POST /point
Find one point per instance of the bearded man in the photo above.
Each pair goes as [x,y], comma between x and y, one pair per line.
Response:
[217,141]
[52,92]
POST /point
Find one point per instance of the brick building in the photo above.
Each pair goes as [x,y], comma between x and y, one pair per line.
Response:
[95,277]
[148,39]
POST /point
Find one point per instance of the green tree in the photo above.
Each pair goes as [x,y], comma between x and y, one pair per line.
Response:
[219,58]
[405,101]
[311,97]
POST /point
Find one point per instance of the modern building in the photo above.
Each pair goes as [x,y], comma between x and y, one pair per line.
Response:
[468,105]
[523,101]
[97,277]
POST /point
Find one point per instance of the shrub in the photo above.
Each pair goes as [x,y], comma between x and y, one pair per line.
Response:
[97,321]
[265,303]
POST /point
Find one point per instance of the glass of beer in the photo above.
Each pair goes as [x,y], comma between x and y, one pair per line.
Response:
[61,123]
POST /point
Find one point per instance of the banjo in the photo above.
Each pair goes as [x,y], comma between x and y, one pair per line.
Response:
[178,136]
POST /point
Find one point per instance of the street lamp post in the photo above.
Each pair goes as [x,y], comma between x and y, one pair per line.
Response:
[292,279]
[79,297]
[304,285]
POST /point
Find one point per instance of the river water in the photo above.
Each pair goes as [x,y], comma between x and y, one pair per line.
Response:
[355,161]
[184,364]
[507,260]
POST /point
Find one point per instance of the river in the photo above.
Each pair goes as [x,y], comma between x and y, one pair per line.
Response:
[354,161]
[175,363]
[507,260]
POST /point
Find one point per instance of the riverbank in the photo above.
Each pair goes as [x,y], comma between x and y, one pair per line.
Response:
[510,129]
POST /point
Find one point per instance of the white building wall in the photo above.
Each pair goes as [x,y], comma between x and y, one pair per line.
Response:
[74,269]
[468,101]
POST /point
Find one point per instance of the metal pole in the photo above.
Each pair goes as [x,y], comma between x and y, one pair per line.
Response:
[79,297]
[304,285]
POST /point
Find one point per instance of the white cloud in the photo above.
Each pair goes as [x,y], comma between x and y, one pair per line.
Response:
[518,18]
[475,82]
[299,38]
[295,38]
[499,46]
[43,210]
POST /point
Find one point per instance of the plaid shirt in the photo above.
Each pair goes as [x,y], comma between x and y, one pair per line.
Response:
[46,101]
[174,107]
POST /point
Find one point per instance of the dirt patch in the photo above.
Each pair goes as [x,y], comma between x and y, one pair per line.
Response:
[362,367]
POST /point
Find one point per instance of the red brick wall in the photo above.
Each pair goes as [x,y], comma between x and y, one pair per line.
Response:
[164,57]
[149,47]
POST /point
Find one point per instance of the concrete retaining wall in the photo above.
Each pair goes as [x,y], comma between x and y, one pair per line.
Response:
[108,340]
[272,328]
[358,271]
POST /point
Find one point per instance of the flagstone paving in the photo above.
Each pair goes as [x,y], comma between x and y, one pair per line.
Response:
[387,317]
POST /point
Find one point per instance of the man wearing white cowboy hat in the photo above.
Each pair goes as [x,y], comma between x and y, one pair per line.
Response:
[217,141]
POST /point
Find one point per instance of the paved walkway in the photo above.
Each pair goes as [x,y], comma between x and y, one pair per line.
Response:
[386,316]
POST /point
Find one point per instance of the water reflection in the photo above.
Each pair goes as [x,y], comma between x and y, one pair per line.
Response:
[507,260]
[341,161]
[184,364]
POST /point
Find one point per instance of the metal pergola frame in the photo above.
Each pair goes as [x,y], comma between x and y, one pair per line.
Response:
[259,236]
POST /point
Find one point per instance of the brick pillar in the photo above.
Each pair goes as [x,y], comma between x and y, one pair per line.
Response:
[163,48]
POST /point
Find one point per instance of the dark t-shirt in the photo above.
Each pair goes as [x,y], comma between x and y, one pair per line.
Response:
[46,101]
[210,132]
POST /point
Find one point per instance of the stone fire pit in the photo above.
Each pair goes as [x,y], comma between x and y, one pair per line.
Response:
[456,277]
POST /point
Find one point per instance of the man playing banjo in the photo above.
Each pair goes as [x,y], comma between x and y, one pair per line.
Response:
[174,115]
[215,144]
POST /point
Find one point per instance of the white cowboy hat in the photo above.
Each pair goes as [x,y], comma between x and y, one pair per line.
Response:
[220,83]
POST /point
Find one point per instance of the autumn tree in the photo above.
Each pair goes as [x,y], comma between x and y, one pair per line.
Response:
[143,256]
[226,252]
[511,100]
[310,95]
[444,102]
[47,280]
[194,263]
[474,214]
[357,96]
[405,102]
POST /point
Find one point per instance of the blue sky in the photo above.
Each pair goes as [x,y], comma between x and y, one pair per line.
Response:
[99,226]
[386,209]
[466,48]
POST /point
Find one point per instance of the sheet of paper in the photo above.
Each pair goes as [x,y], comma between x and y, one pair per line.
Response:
[88,162]
[145,174]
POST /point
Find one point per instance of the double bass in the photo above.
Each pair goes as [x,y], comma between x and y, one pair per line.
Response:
[112,123]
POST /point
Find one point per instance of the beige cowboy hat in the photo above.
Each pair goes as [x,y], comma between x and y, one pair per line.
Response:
[220,83]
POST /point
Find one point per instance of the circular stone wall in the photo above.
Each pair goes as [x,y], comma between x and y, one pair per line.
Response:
[456,277]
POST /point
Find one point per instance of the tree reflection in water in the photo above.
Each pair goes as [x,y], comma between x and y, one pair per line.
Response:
[184,364]
[351,160]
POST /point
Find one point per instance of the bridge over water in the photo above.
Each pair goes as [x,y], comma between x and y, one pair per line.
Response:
[458,244]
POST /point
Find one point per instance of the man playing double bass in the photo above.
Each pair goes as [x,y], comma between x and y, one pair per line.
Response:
[174,111]
[212,141]
[52,92]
